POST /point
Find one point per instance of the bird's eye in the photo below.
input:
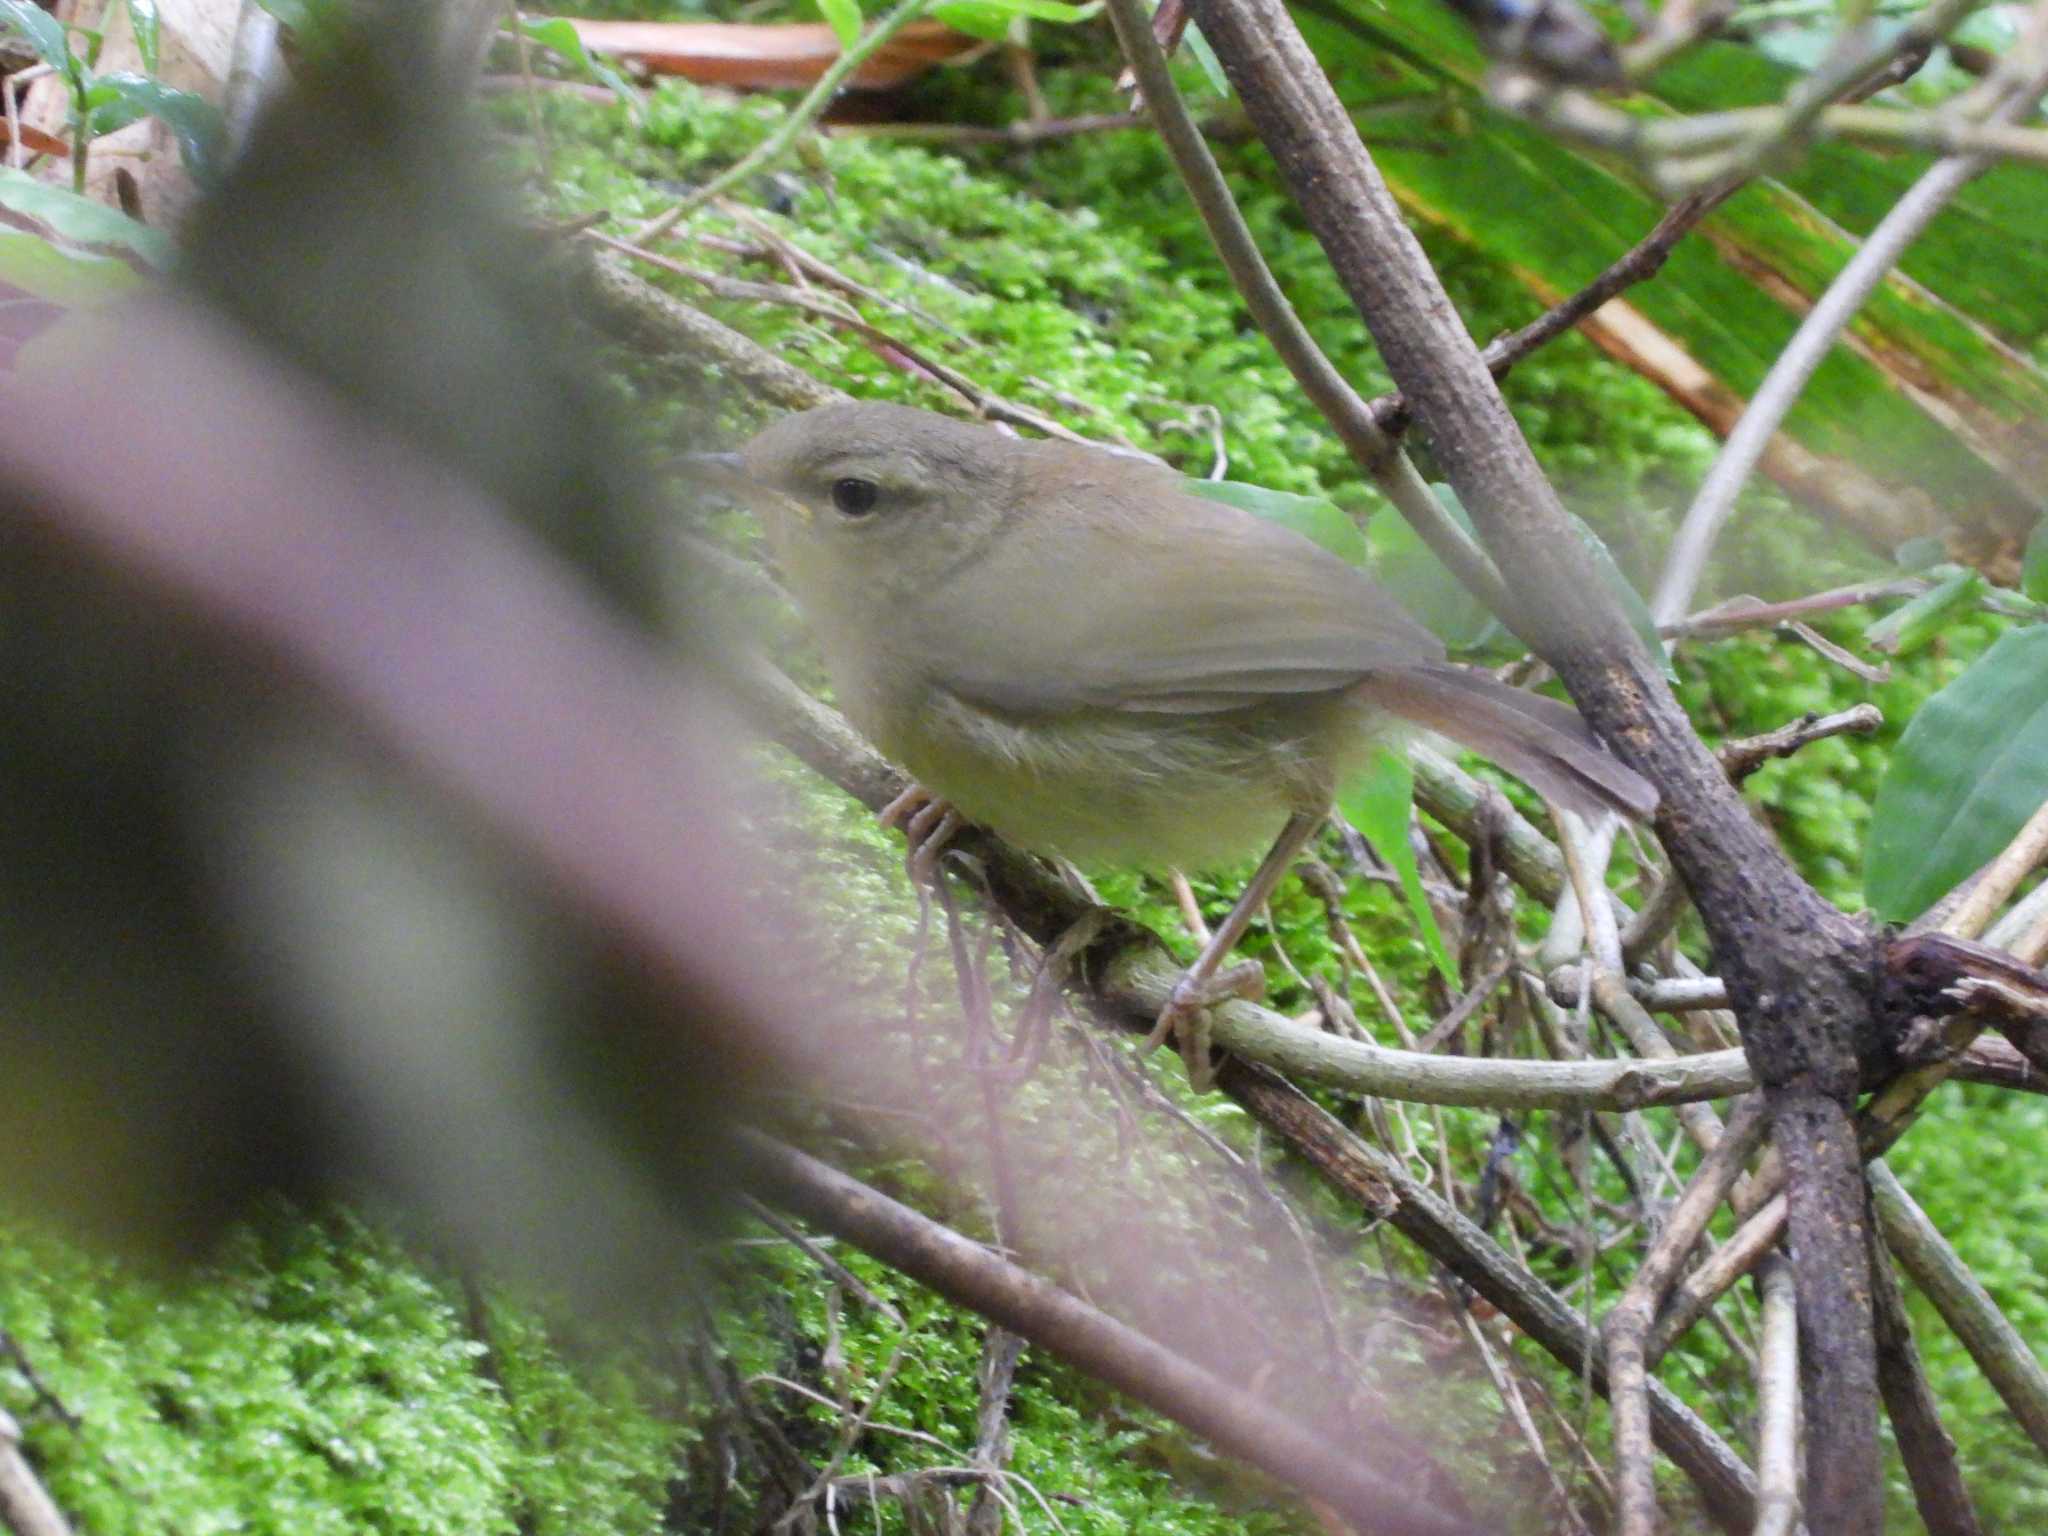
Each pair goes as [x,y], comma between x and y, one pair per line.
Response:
[854,497]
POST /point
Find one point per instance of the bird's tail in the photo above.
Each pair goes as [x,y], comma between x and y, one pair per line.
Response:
[1538,740]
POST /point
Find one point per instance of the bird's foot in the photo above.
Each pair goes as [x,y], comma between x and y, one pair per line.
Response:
[928,826]
[1186,1015]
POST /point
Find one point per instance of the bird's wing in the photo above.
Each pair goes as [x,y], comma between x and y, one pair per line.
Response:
[1209,610]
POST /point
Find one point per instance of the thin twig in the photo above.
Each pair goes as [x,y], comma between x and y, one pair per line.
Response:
[1924,1444]
[792,127]
[1628,1323]
[1777,1396]
[1815,337]
[986,403]
[1066,1327]
[2000,1350]
[1737,613]
[1641,262]
[1378,1181]
[1745,755]
[1022,133]
[1347,412]
[2019,859]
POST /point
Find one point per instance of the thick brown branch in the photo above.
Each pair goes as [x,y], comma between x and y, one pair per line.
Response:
[1924,1444]
[1797,969]
[1381,1185]
[1062,1325]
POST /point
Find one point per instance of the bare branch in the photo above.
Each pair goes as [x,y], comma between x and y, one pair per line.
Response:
[1816,335]
[1140,979]
[1924,1445]
[1777,1393]
[1988,893]
[1348,414]
[1068,1328]
[662,325]
[1380,1183]
[2002,1353]
[1628,1321]
[1744,757]
[25,1508]
[1641,262]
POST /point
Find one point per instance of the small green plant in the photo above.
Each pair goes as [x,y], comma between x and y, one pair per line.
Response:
[102,103]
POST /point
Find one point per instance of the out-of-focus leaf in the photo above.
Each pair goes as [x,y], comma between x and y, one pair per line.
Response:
[844,18]
[1969,770]
[560,36]
[1928,398]
[1425,587]
[1625,594]
[1310,516]
[1921,553]
[1910,626]
[79,224]
[991,18]
[1377,802]
[58,253]
[1197,48]
[296,14]
[769,56]
[24,314]
[116,100]
[147,26]
[44,32]
[2034,567]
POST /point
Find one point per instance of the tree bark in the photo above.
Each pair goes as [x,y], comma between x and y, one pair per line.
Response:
[1798,971]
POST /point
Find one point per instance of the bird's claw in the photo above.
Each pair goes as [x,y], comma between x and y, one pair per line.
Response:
[1185,1017]
[928,826]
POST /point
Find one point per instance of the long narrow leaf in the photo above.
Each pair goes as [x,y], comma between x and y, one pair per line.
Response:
[1969,771]
[1378,803]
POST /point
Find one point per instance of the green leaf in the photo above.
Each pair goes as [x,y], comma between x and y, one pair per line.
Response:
[1625,593]
[991,19]
[80,223]
[295,14]
[1898,411]
[1377,802]
[1310,516]
[1910,626]
[147,26]
[559,35]
[2034,566]
[44,32]
[1424,585]
[116,100]
[1969,770]
[844,15]
[1197,48]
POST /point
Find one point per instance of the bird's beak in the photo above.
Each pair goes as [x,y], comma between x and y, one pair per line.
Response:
[716,466]
[727,472]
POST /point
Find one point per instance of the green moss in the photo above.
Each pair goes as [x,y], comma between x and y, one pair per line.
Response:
[315,1377]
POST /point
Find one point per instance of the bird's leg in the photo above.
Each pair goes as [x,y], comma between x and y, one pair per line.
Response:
[928,825]
[1208,981]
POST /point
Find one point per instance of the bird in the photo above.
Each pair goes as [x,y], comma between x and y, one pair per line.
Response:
[1065,645]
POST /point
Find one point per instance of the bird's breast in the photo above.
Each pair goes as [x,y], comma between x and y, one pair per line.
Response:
[1106,788]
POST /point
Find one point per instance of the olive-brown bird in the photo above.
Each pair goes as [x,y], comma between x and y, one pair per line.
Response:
[1074,651]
